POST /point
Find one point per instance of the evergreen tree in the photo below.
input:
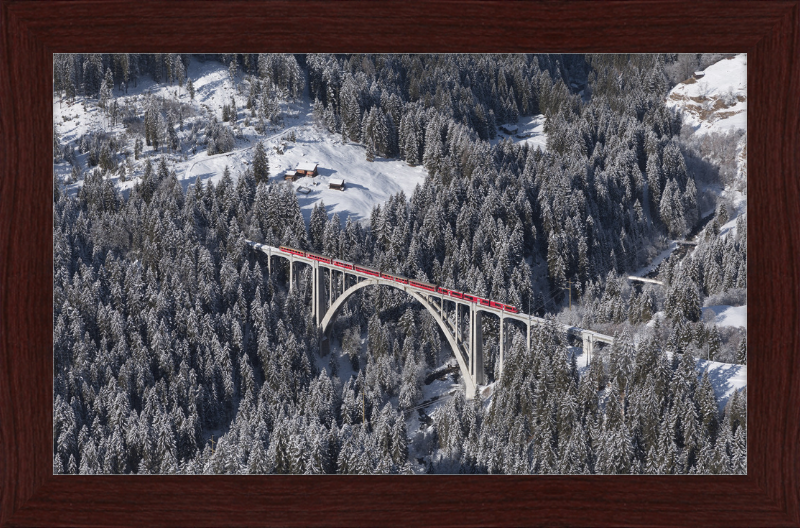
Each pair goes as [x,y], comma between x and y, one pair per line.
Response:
[741,352]
[260,163]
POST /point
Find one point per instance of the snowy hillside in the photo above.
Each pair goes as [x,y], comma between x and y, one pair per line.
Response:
[366,183]
[716,99]
[714,106]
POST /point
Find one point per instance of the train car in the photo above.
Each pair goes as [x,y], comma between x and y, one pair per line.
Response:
[484,302]
[422,285]
[470,298]
[341,264]
[450,293]
[395,278]
[293,251]
[368,271]
[504,307]
[319,258]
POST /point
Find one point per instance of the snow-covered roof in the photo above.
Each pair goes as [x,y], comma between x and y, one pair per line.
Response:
[291,172]
[699,73]
[337,181]
[306,166]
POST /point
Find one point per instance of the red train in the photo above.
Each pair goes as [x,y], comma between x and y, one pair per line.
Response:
[402,280]
[320,258]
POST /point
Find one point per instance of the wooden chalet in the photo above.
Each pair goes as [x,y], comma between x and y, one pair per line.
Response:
[291,175]
[509,129]
[307,169]
[336,184]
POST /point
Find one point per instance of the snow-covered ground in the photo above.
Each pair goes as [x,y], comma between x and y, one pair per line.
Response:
[729,315]
[724,377]
[366,183]
[530,131]
[716,101]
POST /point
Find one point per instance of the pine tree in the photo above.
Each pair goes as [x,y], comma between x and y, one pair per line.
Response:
[708,410]
[741,352]
[714,344]
[260,163]
[232,69]
[106,89]
[316,226]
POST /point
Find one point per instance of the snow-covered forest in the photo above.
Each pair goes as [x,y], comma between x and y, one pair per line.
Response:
[540,181]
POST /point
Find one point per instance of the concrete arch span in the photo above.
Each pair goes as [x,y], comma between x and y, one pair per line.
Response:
[327,323]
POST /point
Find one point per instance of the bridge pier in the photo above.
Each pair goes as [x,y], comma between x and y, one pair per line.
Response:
[502,346]
[528,337]
[291,273]
[318,293]
[457,331]
[588,346]
[476,345]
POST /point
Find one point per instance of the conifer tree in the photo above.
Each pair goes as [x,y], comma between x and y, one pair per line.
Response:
[260,163]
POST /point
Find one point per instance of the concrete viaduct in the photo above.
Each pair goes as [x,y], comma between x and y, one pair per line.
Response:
[466,343]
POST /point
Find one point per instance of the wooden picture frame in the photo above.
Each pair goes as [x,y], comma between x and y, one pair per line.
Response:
[769,31]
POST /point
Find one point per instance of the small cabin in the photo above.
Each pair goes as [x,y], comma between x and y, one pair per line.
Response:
[509,129]
[307,169]
[291,175]
[337,184]
[699,74]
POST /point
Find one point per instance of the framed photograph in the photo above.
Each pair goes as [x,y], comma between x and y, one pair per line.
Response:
[359,278]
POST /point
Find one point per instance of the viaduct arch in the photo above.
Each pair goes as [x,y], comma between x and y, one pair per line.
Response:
[327,323]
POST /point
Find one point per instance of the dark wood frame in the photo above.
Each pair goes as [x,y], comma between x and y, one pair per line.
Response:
[769,31]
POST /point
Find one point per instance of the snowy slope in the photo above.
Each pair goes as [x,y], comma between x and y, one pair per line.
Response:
[724,377]
[716,101]
[366,183]
[729,315]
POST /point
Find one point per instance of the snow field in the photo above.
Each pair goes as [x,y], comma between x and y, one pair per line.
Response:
[367,184]
[729,315]
[717,101]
